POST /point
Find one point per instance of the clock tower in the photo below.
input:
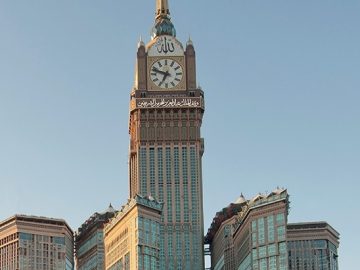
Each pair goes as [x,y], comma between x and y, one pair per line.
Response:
[166,147]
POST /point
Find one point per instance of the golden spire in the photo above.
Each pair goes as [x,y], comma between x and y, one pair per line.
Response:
[162,8]
[163,24]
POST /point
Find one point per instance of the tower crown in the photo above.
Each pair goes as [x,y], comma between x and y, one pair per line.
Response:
[163,24]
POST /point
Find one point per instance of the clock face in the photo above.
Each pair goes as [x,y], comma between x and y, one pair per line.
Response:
[166,73]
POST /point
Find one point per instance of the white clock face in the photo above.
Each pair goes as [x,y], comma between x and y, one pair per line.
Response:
[166,73]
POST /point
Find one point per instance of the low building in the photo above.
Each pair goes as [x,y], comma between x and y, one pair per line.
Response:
[312,245]
[254,235]
[89,241]
[250,234]
[29,242]
[219,236]
[132,236]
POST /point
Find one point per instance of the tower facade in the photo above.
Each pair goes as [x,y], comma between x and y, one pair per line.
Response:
[166,148]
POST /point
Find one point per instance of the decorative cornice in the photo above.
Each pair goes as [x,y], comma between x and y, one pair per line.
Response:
[147,201]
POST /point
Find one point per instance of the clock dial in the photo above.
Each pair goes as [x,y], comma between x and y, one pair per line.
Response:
[166,73]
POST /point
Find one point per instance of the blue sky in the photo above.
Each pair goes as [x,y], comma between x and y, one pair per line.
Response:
[281,81]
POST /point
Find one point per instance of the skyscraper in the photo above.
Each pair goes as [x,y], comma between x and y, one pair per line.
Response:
[166,148]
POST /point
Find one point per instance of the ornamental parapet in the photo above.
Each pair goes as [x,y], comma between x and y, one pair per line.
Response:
[138,200]
[173,103]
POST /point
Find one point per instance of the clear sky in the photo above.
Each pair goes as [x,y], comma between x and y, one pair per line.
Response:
[281,81]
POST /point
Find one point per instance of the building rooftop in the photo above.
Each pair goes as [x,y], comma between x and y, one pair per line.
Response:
[146,201]
[240,205]
[36,219]
[312,226]
[94,220]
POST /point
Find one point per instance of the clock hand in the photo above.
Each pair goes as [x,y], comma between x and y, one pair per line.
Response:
[161,72]
[166,74]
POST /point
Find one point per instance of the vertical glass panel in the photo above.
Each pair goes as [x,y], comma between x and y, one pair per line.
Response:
[261,231]
[143,171]
[280,218]
[152,171]
[253,225]
[262,252]
[254,239]
[272,250]
[282,248]
[281,233]
[270,228]
[254,254]
[263,264]
[272,263]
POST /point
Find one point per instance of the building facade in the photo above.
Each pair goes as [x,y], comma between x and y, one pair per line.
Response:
[166,147]
[132,236]
[312,246]
[89,241]
[29,242]
[251,234]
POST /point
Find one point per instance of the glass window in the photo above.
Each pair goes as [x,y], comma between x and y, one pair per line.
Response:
[253,225]
[254,240]
[281,233]
[280,218]
[152,171]
[270,228]
[143,170]
[283,262]
[272,250]
[254,254]
[262,252]
[263,264]
[272,263]
[261,231]
[282,248]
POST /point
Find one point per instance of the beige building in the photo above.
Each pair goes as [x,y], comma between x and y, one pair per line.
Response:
[166,147]
[250,234]
[131,238]
[29,243]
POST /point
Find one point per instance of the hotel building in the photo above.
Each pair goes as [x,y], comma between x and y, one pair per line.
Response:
[29,242]
[132,237]
[89,241]
[312,246]
[251,234]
